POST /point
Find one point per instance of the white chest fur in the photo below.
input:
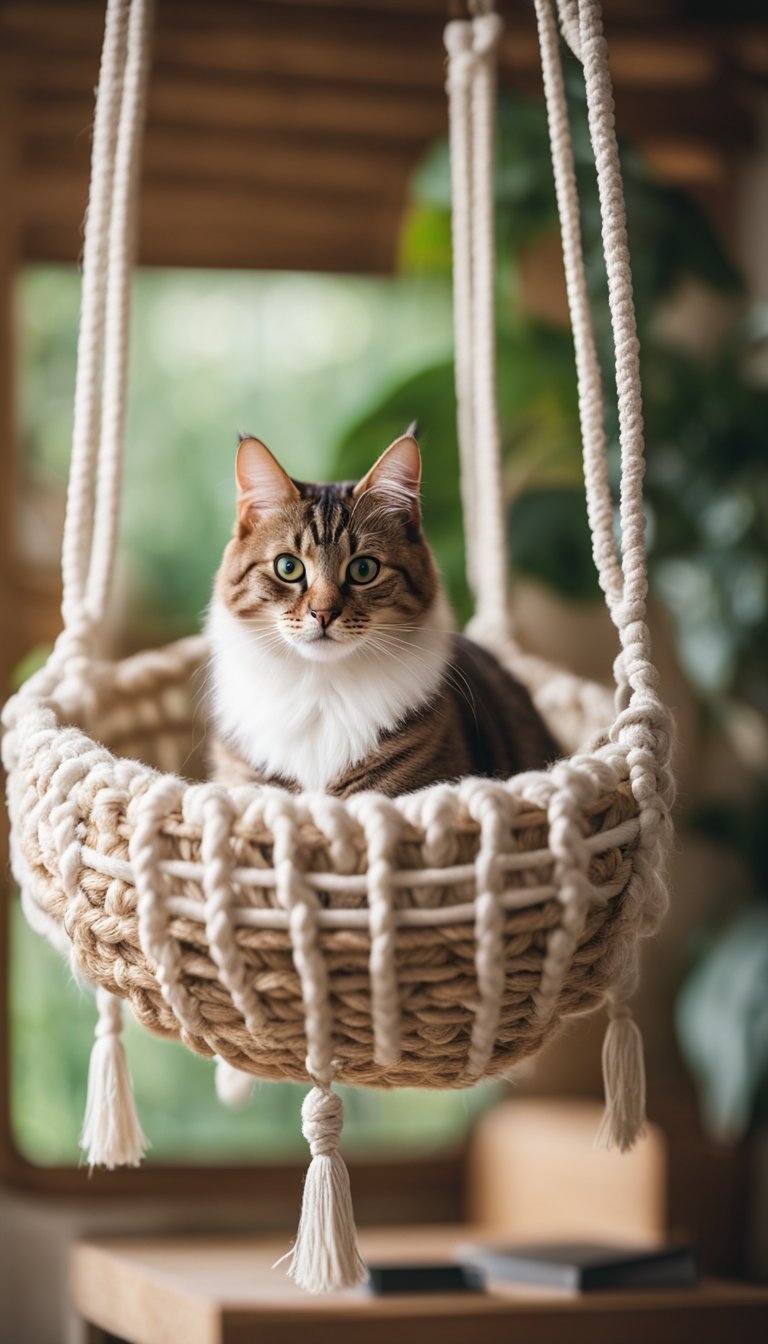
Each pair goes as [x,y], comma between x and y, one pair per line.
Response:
[310,721]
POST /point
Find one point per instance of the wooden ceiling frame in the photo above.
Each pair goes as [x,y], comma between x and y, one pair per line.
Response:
[283,133]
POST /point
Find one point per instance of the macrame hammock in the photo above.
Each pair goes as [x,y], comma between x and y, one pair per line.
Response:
[431,940]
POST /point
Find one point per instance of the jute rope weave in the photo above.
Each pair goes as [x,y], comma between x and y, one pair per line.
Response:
[430,940]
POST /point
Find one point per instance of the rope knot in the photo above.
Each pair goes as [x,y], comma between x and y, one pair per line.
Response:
[110,1010]
[457,37]
[322,1120]
[487,33]
[461,57]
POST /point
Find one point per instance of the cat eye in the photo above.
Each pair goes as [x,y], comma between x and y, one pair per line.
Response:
[289,568]
[362,570]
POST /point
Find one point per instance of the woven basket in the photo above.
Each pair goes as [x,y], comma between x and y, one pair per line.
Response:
[77,810]
[430,940]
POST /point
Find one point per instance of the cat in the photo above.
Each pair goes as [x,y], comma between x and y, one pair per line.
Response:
[334,663]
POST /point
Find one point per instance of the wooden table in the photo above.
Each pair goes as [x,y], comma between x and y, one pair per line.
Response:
[179,1290]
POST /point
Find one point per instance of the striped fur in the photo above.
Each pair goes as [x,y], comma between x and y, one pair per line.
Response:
[324,683]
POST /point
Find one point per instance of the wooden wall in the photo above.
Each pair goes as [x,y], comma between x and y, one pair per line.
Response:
[283,134]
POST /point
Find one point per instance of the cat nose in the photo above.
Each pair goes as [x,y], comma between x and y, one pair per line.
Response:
[325,616]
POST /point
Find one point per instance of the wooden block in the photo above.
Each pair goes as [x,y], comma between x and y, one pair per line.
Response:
[533,1174]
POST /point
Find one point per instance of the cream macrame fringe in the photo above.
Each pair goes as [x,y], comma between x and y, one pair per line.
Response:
[623,1121]
[111,1135]
[325,1255]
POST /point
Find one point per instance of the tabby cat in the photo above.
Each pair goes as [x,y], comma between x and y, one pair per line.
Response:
[334,661]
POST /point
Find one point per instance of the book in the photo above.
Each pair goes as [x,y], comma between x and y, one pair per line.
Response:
[585,1268]
[450,1277]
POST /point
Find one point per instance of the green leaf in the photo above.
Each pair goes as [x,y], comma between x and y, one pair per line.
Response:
[32,662]
[425,240]
[549,540]
[722,1024]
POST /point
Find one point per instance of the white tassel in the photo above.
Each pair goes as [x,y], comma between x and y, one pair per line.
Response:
[325,1254]
[623,1119]
[111,1135]
[233,1086]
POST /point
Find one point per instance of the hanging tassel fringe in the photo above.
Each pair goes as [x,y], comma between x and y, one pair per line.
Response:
[111,1136]
[623,1121]
[233,1086]
[325,1254]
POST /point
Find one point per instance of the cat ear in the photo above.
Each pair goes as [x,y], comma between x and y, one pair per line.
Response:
[397,475]
[262,485]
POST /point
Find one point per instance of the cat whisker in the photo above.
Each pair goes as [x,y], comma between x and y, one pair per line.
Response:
[453,674]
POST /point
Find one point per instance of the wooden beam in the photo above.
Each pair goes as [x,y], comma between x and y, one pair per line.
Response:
[237,103]
[344,251]
[252,161]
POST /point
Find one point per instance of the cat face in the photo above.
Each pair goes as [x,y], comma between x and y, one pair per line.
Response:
[323,570]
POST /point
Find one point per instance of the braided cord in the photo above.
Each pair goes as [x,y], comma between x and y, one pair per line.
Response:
[471,85]
[90,530]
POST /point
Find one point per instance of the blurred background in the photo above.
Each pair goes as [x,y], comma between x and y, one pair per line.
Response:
[295,283]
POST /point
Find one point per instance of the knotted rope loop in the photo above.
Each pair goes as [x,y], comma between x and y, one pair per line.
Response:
[457,36]
[149,812]
[110,1021]
[487,28]
[332,818]
[439,812]
[489,806]
[575,787]
[296,896]
[382,824]
[211,807]
[322,1120]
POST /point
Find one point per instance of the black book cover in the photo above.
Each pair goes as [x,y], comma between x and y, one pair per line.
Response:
[437,1278]
[584,1267]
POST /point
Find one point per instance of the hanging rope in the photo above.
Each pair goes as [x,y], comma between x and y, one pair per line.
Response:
[491,615]
[600,509]
[471,85]
[121,257]
[642,722]
[90,344]
[458,43]
[90,530]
